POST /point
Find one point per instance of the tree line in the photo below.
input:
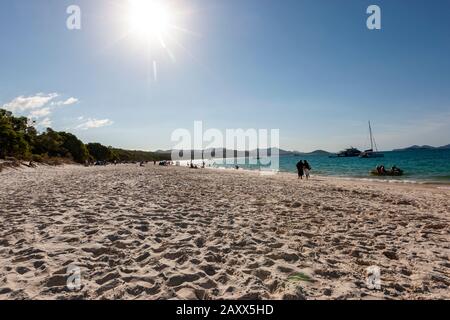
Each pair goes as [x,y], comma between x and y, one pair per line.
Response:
[20,139]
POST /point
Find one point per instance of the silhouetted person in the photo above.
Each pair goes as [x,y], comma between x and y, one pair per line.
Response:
[306,169]
[300,170]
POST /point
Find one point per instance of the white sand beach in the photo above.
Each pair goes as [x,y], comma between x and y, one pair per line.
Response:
[175,233]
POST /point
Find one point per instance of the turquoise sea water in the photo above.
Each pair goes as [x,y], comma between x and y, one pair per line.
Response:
[418,165]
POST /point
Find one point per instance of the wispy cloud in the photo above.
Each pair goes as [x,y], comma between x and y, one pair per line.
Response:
[39,113]
[23,103]
[70,101]
[94,123]
[67,102]
[39,106]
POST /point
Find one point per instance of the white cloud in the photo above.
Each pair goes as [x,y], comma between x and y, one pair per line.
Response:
[67,102]
[40,113]
[94,123]
[41,105]
[22,103]
[70,101]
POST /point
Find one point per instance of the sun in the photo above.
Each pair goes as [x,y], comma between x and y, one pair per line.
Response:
[150,18]
[155,27]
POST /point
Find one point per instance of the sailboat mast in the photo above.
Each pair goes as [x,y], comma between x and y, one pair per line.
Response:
[371,137]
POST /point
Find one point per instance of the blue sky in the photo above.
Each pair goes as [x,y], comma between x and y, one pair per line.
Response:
[310,68]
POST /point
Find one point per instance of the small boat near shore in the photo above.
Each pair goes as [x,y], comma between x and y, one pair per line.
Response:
[389,173]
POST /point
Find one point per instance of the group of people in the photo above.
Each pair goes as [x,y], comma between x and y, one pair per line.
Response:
[165,163]
[192,165]
[303,169]
[382,170]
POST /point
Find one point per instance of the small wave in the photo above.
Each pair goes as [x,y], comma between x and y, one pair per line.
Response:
[399,180]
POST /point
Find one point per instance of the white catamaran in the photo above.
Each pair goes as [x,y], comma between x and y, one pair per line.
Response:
[373,151]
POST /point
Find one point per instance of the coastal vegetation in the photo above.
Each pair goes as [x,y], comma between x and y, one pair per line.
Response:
[20,140]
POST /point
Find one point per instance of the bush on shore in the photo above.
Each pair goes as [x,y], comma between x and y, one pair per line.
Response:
[20,139]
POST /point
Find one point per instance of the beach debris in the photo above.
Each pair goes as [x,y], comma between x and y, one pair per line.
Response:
[300,276]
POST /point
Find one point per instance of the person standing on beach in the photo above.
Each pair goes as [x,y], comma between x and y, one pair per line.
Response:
[300,167]
[306,169]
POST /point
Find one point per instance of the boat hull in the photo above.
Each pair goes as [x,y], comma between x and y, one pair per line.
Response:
[371,155]
[348,156]
[387,173]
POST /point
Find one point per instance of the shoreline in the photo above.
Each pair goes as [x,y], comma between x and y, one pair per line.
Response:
[444,185]
[425,183]
[211,164]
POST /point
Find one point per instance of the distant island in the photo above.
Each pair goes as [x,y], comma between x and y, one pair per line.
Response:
[424,147]
[313,153]
[215,152]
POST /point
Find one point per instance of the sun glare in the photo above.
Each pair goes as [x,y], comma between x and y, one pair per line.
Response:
[150,18]
[156,26]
